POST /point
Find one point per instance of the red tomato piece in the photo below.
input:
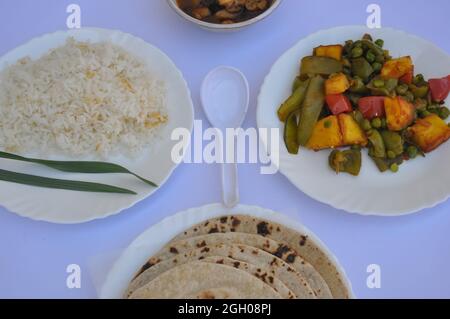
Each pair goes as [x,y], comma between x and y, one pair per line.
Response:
[339,103]
[440,88]
[372,106]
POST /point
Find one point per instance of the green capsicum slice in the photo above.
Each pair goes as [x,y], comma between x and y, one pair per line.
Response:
[311,109]
[290,134]
[320,65]
[294,102]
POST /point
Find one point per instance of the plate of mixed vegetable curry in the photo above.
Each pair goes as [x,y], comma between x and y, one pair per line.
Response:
[357,108]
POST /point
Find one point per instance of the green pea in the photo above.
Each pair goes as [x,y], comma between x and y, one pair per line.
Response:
[383,123]
[418,79]
[444,113]
[357,52]
[402,89]
[391,155]
[376,123]
[412,152]
[378,83]
[377,66]
[327,124]
[366,125]
[370,56]
[380,43]
[356,147]
[394,168]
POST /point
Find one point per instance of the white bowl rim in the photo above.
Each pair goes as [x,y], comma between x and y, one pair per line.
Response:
[232,26]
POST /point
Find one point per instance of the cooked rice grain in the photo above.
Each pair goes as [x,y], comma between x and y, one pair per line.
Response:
[79,100]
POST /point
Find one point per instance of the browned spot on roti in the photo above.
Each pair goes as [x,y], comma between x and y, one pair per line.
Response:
[223,220]
[220,262]
[213,230]
[173,250]
[147,265]
[237,264]
[282,249]
[236,222]
[303,240]
[207,295]
[271,279]
[274,262]
[255,252]
[291,259]
[205,250]
[263,229]
[201,258]
[207,223]
[201,244]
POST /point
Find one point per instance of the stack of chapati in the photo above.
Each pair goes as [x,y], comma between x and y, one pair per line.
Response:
[239,257]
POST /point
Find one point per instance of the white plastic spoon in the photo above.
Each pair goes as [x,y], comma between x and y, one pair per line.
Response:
[225,97]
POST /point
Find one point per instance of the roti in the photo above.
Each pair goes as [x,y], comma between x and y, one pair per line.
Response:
[282,251]
[300,242]
[201,280]
[267,262]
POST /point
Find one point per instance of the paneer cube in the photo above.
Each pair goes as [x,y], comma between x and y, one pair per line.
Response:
[337,84]
[429,133]
[397,68]
[326,134]
[351,132]
[330,51]
[399,113]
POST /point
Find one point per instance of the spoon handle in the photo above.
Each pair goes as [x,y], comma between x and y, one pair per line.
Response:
[230,188]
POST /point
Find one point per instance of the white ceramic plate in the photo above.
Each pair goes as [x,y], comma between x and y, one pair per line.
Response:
[61,206]
[420,184]
[156,237]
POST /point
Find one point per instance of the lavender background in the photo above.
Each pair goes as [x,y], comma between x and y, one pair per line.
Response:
[413,251]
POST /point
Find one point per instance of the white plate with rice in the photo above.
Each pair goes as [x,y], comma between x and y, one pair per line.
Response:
[89,94]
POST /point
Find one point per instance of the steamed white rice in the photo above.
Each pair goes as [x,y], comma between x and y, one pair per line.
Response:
[81,99]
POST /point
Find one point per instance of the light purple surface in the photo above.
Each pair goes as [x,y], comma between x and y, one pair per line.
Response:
[413,251]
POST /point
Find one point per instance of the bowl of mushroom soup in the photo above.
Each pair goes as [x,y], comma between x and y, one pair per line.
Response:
[224,15]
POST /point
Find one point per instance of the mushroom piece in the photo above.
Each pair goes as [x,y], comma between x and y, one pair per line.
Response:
[201,13]
[233,6]
[253,5]
[225,15]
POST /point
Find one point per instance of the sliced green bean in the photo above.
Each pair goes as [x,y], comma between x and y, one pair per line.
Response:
[311,109]
[294,102]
